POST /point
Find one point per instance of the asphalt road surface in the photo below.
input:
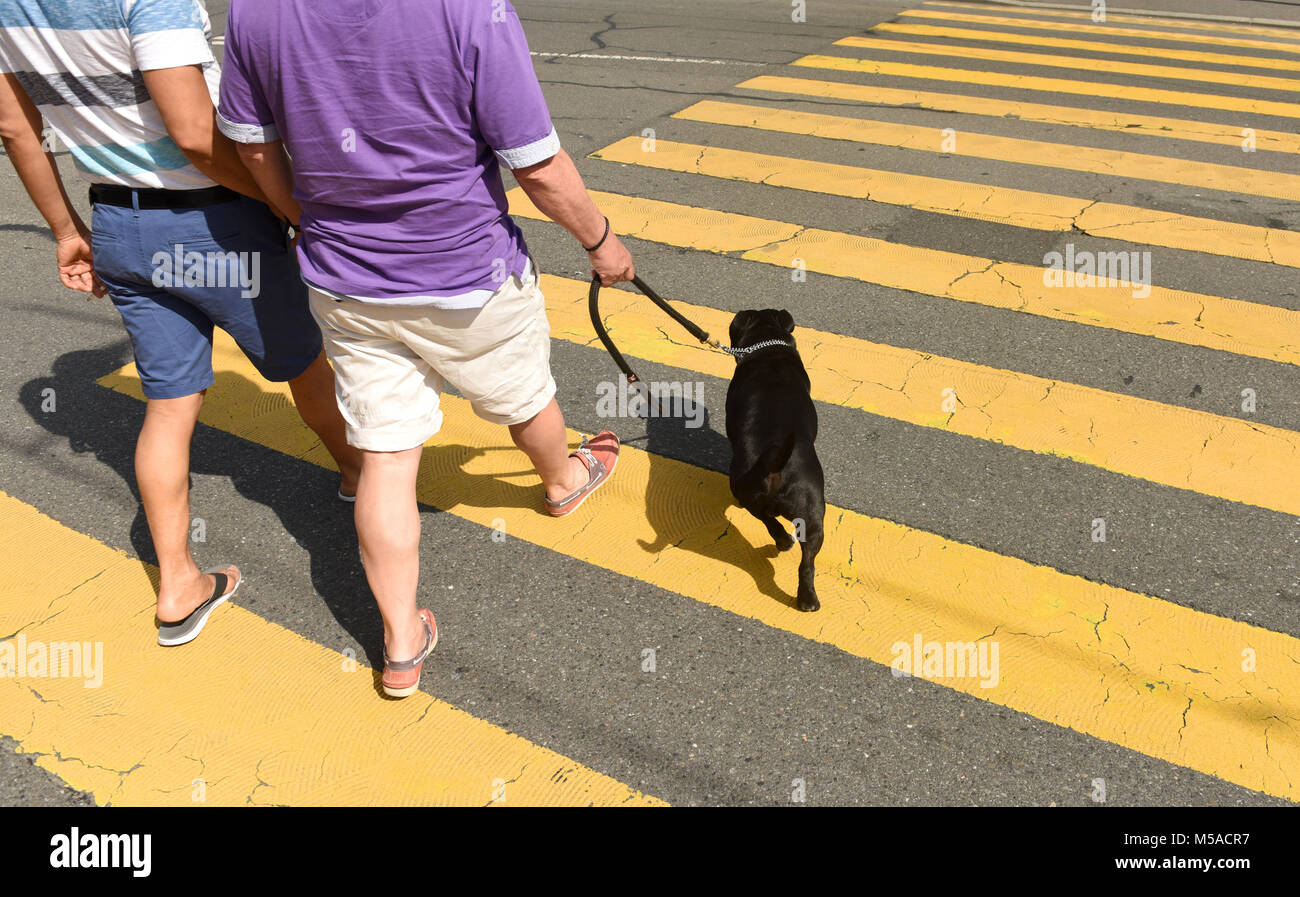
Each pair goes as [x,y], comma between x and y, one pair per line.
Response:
[1095,482]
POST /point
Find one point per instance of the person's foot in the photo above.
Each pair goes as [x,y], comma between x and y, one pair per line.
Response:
[178,602]
[402,677]
[576,476]
[596,459]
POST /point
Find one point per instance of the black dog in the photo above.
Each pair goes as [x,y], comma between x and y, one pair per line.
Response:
[772,424]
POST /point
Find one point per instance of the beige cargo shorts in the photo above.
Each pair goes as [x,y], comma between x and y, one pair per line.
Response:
[391,363]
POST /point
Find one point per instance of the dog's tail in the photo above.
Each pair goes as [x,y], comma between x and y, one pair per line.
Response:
[765,475]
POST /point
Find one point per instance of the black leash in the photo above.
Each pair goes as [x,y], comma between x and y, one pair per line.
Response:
[593,296]
[694,330]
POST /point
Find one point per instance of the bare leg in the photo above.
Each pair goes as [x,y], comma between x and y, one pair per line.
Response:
[545,443]
[162,469]
[313,393]
[388,528]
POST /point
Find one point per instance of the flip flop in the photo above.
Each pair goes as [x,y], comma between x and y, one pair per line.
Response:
[188,629]
[343,496]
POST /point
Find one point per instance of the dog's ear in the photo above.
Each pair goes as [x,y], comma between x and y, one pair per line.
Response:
[786,320]
[741,323]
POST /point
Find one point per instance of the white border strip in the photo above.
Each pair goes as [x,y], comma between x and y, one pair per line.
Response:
[646,58]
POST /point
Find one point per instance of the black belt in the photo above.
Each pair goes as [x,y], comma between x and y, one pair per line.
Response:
[151,198]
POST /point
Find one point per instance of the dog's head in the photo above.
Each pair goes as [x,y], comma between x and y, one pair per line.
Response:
[755,325]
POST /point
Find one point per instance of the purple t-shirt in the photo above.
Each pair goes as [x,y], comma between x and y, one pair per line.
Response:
[395,113]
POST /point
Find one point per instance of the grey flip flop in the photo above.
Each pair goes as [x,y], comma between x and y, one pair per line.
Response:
[182,631]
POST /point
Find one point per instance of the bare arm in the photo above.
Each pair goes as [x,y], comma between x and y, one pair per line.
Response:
[556,188]
[186,106]
[269,165]
[20,130]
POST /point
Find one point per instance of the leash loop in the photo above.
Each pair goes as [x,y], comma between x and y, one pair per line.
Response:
[593,296]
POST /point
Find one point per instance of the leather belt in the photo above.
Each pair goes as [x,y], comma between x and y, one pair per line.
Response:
[152,198]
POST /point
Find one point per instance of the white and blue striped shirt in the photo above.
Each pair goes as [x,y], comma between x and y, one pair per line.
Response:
[80,62]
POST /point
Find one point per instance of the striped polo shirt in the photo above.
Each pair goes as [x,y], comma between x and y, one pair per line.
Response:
[80,62]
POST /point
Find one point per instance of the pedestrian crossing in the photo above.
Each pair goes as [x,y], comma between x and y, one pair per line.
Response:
[981,202]
[968,76]
[1125,121]
[1205,692]
[1194,319]
[878,581]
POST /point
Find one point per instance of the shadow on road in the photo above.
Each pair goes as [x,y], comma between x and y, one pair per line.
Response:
[106,423]
[692,515]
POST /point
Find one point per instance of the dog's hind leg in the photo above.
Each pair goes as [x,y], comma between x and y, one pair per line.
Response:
[783,539]
[812,543]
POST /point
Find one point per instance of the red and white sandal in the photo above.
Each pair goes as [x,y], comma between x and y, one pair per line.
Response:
[402,677]
[600,455]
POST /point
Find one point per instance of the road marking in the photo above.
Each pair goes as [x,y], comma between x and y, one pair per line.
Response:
[1016,150]
[1098,119]
[1108,30]
[1128,668]
[247,713]
[614,57]
[1167,21]
[1038,40]
[1127,92]
[1081,63]
[983,202]
[1178,447]
[1194,319]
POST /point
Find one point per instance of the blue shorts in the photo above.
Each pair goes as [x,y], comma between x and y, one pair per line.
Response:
[174,273]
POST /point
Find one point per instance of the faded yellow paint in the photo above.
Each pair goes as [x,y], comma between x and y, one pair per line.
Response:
[1097,119]
[1124,667]
[1117,163]
[1082,63]
[1167,21]
[1272,63]
[1214,322]
[249,713]
[982,202]
[1128,92]
[1108,30]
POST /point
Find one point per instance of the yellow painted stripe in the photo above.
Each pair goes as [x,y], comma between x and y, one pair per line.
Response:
[1178,447]
[1142,166]
[983,202]
[258,713]
[1128,92]
[1082,63]
[1099,119]
[1196,319]
[1038,40]
[1108,30]
[1167,21]
[1124,667]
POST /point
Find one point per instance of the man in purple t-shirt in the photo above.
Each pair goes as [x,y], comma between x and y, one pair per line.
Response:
[397,115]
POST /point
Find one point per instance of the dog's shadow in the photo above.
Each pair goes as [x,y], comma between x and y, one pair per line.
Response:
[688,507]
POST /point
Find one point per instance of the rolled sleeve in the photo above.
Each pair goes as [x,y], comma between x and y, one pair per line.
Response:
[509,108]
[530,153]
[168,34]
[243,113]
[241,132]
